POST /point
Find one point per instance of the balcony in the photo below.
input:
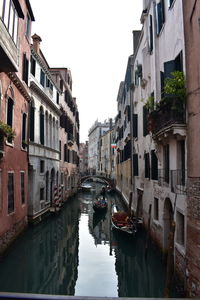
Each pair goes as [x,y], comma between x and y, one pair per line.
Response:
[167,120]
[8,51]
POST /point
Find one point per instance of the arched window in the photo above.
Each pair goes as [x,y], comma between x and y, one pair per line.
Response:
[47,128]
[10,106]
[32,121]
[54,134]
[50,130]
[41,126]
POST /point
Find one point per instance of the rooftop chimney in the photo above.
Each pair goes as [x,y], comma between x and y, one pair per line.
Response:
[36,42]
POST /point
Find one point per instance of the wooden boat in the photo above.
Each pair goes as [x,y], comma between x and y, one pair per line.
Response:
[100,204]
[122,222]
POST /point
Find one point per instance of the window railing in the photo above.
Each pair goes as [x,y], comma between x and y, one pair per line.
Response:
[178,181]
[175,179]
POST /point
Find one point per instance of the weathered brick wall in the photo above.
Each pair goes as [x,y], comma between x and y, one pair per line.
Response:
[180,274]
[193,238]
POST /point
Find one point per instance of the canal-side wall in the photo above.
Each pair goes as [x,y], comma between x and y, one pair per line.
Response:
[10,236]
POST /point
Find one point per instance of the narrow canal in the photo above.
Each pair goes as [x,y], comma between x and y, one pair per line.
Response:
[77,253]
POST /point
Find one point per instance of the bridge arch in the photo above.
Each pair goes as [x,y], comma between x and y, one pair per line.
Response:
[108,181]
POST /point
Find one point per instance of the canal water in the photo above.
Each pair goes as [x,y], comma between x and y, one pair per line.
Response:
[77,253]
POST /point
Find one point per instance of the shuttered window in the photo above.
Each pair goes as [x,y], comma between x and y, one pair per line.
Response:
[25,68]
[10,192]
[32,123]
[41,127]
[154,166]
[145,121]
[150,34]
[42,78]
[135,125]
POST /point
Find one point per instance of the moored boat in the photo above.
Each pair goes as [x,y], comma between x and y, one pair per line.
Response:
[100,204]
[122,222]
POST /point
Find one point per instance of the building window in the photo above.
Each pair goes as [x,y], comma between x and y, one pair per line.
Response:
[42,166]
[147,165]
[41,194]
[22,187]
[170,3]
[42,78]
[145,121]
[10,112]
[24,130]
[33,66]
[41,126]
[32,122]
[156,209]
[150,34]
[25,68]
[57,98]
[10,192]
[154,166]
[180,237]
[160,15]
[135,125]
[9,16]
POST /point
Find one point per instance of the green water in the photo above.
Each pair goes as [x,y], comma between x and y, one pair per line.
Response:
[77,253]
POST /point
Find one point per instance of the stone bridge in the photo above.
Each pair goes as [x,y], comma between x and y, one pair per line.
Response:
[108,181]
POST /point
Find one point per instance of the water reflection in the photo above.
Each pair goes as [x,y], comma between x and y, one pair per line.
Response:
[45,259]
[77,253]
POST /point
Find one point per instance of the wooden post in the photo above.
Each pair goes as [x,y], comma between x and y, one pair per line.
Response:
[130,203]
[170,262]
[148,229]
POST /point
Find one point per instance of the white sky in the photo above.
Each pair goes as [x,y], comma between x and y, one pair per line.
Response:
[93,38]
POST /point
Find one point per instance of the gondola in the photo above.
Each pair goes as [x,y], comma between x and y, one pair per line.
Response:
[100,204]
[122,222]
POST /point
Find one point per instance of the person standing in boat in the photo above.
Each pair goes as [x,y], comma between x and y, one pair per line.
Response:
[103,192]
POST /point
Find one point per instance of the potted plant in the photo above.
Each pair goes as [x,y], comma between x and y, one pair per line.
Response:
[7,131]
[175,91]
[24,144]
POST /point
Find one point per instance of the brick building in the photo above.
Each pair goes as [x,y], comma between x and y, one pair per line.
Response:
[15,30]
[191,10]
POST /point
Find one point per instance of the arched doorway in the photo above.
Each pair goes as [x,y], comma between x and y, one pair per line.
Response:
[167,222]
[52,186]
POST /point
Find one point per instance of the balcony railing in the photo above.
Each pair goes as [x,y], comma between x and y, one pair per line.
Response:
[165,116]
[174,179]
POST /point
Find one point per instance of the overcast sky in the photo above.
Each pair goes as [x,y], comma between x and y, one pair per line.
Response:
[93,38]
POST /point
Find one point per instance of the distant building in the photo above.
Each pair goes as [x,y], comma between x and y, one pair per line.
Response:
[83,154]
[44,135]
[95,132]
[68,133]
[15,27]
